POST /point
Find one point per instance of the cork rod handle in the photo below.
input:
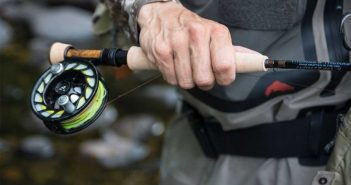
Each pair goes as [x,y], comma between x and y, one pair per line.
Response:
[245,62]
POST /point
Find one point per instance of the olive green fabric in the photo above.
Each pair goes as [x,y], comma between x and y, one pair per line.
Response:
[340,160]
[103,27]
[101,20]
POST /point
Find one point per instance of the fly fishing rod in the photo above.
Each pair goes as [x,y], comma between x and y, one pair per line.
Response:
[135,59]
[71,94]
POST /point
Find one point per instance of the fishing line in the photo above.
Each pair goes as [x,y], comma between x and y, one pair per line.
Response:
[89,111]
[135,88]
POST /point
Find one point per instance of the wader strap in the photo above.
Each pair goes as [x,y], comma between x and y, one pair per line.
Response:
[305,137]
[333,13]
[307,31]
[322,39]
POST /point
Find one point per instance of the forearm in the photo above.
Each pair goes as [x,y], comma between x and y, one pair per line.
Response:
[124,14]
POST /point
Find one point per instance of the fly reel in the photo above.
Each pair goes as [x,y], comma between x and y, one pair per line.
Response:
[69,96]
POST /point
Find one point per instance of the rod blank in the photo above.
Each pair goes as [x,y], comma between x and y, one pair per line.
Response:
[308,65]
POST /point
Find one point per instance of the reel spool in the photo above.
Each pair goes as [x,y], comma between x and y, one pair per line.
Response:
[69,96]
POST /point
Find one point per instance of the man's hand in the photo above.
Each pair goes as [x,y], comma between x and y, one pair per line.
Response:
[187,49]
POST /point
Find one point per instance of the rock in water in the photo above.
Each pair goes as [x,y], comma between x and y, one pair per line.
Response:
[4,146]
[5,33]
[167,94]
[108,117]
[63,23]
[140,127]
[38,46]
[38,147]
[114,150]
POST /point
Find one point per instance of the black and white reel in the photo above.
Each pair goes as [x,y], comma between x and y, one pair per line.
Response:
[69,96]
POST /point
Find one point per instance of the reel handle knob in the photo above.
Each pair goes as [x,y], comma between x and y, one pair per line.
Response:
[67,105]
[56,68]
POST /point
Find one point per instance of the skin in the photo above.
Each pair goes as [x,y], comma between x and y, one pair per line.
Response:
[188,50]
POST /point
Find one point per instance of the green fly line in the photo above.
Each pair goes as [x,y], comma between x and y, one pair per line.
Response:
[89,112]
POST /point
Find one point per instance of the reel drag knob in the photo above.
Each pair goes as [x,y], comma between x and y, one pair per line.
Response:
[69,96]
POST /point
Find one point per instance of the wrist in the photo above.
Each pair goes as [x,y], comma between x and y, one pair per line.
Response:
[145,8]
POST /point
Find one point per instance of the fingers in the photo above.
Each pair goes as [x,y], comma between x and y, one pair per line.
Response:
[200,56]
[163,54]
[181,56]
[188,50]
[222,55]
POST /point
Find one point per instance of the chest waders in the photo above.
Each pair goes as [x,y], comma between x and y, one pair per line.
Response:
[311,133]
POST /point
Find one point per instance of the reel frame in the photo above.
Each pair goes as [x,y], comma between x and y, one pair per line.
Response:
[56,117]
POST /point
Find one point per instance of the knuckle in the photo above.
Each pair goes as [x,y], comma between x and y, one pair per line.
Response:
[227,80]
[167,68]
[186,85]
[220,29]
[163,51]
[196,29]
[172,82]
[168,77]
[205,82]
[222,67]
[178,41]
